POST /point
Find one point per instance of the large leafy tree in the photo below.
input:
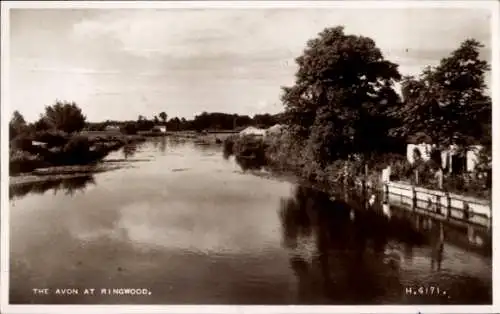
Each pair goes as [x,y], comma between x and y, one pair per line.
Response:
[448,102]
[65,116]
[342,95]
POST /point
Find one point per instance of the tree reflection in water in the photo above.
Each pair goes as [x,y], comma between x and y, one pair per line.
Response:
[163,144]
[339,253]
[129,150]
[69,185]
[160,143]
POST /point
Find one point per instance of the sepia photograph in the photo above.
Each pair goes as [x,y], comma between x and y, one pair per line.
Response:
[312,154]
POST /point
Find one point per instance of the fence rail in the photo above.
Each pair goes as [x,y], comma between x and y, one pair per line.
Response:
[462,210]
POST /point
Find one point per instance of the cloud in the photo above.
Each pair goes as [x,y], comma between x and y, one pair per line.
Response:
[188,33]
[232,60]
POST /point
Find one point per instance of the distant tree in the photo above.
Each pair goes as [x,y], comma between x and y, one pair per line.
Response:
[342,95]
[174,124]
[65,116]
[163,116]
[264,120]
[144,124]
[448,102]
[17,125]
[156,120]
[129,128]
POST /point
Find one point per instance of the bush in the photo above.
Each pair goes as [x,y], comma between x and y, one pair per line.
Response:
[22,161]
[285,153]
[76,151]
[52,138]
[21,143]
[228,146]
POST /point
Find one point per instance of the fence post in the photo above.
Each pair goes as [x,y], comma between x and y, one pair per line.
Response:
[440,178]
[438,204]
[416,177]
[466,211]
[448,205]
[414,198]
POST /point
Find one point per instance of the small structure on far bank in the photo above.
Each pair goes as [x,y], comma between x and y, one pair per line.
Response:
[159,128]
[275,129]
[112,128]
[253,131]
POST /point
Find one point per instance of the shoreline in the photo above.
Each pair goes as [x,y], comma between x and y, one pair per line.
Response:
[59,173]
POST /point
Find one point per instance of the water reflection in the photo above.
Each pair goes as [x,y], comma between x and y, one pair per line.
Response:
[339,256]
[129,150]
[68,185]
[179,231]
[248,163]
[163,144]
[173,142]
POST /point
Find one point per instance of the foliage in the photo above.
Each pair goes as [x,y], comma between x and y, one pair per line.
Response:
[99,126]
[342,95]
[265,120]
[163,116]
[228,146]
[17,125]
[77,145]
[65,116]
[52,138]
[144,124]
[21,143]
[129,128]
[448,102]
[285,152]
[42,124]
[174,124]
[22,161]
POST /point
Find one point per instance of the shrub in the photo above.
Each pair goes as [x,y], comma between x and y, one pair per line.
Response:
[76,151]
[228,145]
[52,138]
[283,152]
[22,161]
[21,143]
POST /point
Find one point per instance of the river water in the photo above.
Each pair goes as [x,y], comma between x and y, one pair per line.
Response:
[191,227]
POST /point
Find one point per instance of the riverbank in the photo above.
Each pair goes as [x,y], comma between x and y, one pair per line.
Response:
[60,173]
[280,153]
[50,149]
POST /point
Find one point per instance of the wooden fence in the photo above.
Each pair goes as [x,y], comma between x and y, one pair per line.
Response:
[443,205]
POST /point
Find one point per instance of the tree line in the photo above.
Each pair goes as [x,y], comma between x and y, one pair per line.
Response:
[201,122]
[68,117]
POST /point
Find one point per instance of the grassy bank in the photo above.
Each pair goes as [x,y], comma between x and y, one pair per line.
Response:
[53,148]
[282,154]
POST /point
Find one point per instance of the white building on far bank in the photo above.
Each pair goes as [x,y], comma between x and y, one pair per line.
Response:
[253,131]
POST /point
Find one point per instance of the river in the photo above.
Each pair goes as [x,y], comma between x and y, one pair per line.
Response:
[192,227]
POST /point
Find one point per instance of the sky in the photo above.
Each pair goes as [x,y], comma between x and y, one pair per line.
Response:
[117,64]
